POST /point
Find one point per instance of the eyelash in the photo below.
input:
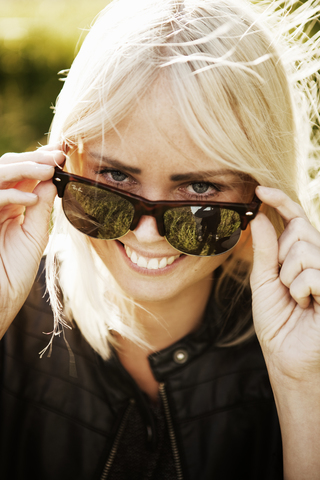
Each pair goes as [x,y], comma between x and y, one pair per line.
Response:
[104,171]
[194,196]
[216,189]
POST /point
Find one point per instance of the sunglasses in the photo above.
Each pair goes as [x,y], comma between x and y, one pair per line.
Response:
[194,228]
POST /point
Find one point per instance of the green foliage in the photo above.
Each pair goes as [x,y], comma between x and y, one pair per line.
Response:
[38,39]
[193,232]
[96,212]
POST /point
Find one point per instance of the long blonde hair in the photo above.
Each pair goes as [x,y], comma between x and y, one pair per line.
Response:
[242,76]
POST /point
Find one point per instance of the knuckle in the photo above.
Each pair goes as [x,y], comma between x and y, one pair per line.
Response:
[299,249]
[7,157]
[297,225]
[296,291]
[27,164]
[284,277]
[302,285]
[10,194]
[297,208]
[6,197]
[284,281]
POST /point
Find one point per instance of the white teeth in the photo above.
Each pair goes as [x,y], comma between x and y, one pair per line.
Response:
[134,257]
[153,263]
[163,262]
[142,262]
[171,260]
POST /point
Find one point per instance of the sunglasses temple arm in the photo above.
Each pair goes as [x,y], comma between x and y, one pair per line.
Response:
[251,213]
[60,181]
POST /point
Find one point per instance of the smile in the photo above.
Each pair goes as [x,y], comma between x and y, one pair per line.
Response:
[151,263]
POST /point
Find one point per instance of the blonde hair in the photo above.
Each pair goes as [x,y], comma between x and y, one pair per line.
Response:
[243,78]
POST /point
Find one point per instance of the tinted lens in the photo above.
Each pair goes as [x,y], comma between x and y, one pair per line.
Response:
[97,212]
[202,230]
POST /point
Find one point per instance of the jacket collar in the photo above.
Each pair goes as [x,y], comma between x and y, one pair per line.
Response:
[185,350]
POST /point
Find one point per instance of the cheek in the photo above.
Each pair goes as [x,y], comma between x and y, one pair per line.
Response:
[206,265]
[105,250]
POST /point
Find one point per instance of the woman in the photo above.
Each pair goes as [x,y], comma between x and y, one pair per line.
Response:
[154,369]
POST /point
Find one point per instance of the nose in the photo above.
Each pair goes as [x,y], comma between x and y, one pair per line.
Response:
[147,231]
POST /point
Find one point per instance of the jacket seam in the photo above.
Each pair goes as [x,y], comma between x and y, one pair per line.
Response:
[56,412]
[226,409]
[210,380]
[38,370]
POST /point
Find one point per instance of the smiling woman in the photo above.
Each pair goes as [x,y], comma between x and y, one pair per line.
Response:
[178,121]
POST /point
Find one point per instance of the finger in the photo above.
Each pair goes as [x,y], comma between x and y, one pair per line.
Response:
[13,203]
[40,156]
[37,216]
[297,230]
[265,251]
[26,185]
[16,197]
[12,211]
[301,256]
[287,208]
[50,147]
[304,286]
[11,174]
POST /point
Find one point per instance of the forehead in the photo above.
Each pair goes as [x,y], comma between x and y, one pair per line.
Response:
[152,141]
[153,133]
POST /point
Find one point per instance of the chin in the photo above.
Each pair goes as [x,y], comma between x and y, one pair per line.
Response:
[149,290]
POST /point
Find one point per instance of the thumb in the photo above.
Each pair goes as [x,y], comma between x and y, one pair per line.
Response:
[37,217]
[265,251]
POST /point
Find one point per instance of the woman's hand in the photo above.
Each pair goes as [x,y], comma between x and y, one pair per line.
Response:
[286,299]
[285,284]
[26,198]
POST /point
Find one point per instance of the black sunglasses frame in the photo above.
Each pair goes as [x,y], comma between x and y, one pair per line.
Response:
[156,209]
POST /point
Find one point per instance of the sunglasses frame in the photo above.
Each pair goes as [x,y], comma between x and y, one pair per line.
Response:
[156,209]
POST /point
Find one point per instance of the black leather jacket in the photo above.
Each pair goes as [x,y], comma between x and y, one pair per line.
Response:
[58,423]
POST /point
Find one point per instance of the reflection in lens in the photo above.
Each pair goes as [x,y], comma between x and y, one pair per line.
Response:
[202,230]
[96,212]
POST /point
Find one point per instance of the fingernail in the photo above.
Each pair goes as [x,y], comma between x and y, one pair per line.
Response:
[57,152]
[264,190]
[43,167]
[31,195]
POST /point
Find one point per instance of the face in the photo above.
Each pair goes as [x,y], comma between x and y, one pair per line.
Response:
[150,154]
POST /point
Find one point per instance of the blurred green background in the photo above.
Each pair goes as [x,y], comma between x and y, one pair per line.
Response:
[38,39]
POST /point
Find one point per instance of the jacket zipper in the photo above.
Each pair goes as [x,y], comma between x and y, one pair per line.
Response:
[173,440]
[116,442]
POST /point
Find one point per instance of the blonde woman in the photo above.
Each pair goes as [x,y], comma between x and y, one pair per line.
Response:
[176,121]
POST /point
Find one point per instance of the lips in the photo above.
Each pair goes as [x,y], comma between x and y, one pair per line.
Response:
[149,263]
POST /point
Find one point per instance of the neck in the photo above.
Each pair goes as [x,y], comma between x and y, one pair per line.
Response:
[167,321]
[163,323]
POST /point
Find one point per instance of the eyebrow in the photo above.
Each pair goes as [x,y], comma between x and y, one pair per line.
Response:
[175,177]
[206,173]
[115,163]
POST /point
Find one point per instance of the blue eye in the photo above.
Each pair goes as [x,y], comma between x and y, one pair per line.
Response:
[200,187]
[112,175]
[117,176]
